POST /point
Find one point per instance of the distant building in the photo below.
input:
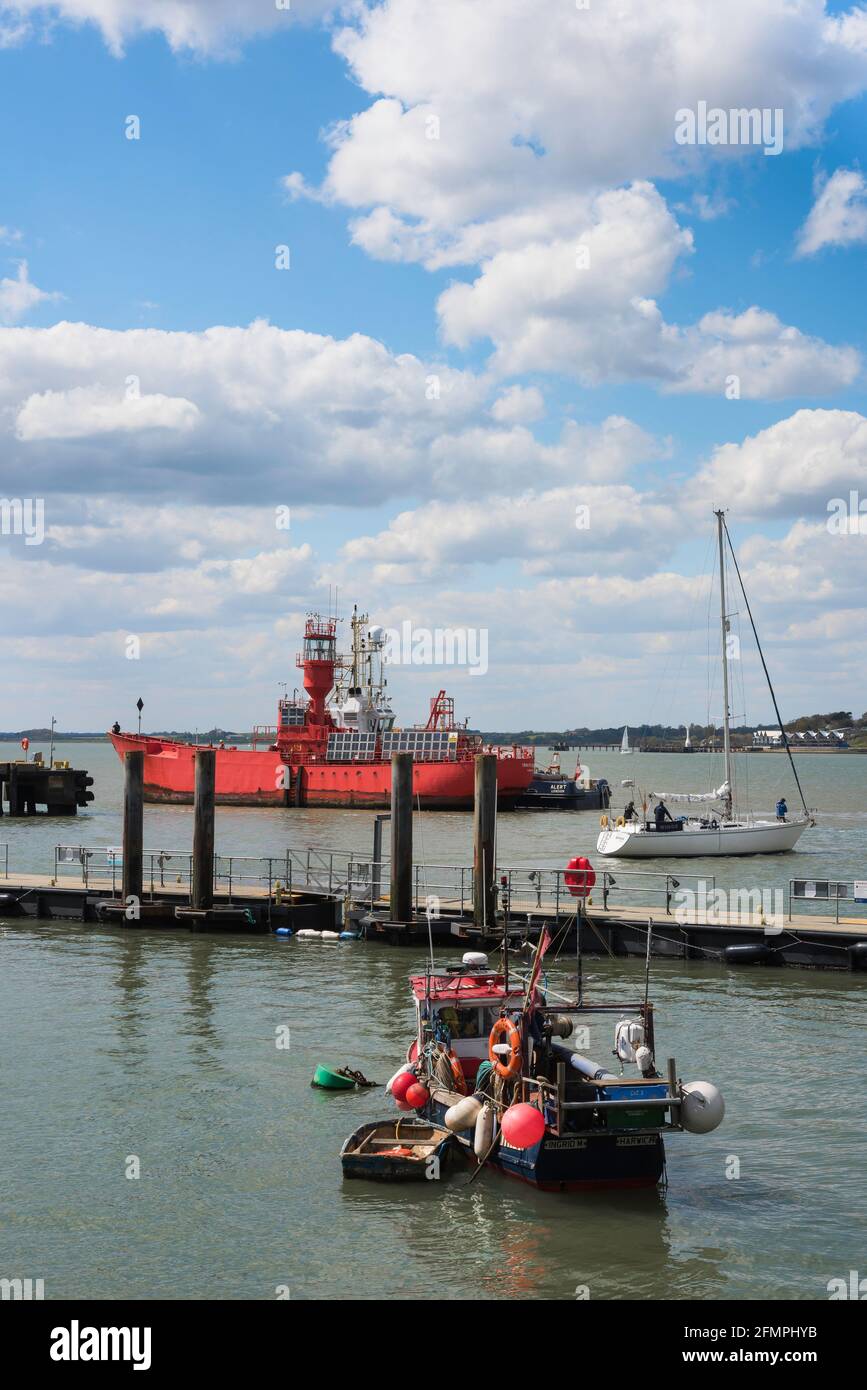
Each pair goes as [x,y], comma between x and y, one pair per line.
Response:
[807,738]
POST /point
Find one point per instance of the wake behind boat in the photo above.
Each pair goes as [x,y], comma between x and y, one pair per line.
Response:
[722,830]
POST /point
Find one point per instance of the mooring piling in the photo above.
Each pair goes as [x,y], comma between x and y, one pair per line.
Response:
[401,907]
[484,839]
[202,887]
[133,825]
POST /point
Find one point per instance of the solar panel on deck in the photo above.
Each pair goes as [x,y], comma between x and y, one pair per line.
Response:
[351,747]
[427,745]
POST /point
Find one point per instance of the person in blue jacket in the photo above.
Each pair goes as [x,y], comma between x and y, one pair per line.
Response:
[782,809]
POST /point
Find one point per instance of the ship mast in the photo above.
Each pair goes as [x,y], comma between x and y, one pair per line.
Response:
[727,748]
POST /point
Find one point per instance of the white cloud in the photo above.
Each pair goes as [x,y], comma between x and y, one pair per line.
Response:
[19,296]
[564,530]
[526,111]
[587,307]
[794,466]
[838,217]
[519,405]
[212,27]
[86,412]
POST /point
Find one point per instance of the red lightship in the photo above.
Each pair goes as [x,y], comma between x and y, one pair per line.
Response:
[335,747]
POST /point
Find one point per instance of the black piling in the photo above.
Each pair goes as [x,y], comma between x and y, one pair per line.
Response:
[401,837]
[133,825]
[202,888]
[484,840]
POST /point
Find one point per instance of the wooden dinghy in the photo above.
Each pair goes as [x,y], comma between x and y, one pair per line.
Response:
[396,1150]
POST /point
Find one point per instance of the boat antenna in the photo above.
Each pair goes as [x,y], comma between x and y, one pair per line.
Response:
[765,669]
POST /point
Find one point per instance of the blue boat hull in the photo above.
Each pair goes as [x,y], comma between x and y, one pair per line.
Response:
[576,1161]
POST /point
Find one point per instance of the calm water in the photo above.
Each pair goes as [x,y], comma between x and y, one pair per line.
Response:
[162,1046]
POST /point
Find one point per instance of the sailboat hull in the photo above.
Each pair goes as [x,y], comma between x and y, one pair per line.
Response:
[695,842]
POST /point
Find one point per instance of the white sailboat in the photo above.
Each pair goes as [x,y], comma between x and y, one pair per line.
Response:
[719,831]
[624,742]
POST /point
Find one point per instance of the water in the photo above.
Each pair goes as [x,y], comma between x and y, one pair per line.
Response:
[163,1046]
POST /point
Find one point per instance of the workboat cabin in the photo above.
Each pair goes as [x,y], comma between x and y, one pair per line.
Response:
[501,1066]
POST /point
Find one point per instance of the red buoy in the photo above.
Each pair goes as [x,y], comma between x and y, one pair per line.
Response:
[579,876]
[417,1096]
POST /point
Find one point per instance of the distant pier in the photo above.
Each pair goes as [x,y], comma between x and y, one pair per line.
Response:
[58,788]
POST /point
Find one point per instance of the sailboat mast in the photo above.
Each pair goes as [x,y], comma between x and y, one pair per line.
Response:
[727,747]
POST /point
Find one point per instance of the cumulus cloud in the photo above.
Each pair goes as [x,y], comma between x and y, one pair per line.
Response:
[211,27]
[794,466]
[838,217]
[300,415]
[19,296]
[587,307]
[84,413]
[562,530]
[487,111]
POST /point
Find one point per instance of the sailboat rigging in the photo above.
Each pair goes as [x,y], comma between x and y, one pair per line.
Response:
[721,832]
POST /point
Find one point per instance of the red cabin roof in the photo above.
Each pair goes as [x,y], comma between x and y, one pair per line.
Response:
[483,984]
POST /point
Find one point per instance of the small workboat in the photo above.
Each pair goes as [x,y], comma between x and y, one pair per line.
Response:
[396,1150]
[490,1056]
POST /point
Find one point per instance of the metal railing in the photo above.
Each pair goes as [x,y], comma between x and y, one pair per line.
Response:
[819,894]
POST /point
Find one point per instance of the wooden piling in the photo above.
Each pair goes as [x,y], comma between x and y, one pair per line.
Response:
[202,887]
[484,840]
[133,825]
[401,837]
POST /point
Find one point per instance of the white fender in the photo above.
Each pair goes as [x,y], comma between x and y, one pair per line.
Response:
[484,1129]
[703,1107]
[462,1115]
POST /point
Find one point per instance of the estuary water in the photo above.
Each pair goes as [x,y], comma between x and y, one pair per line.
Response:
[157,1052]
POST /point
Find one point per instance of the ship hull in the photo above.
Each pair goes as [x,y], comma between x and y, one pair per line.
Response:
[253,777]
[574,1162]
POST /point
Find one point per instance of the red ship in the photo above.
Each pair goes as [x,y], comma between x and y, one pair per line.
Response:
[335,747]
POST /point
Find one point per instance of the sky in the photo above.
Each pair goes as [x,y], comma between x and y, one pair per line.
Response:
[468,312]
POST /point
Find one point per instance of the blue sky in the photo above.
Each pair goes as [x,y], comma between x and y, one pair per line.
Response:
[556,130]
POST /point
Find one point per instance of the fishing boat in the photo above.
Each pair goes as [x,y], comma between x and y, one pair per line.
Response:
[724,828]
[492,1058]
[402,1150]
[333,746]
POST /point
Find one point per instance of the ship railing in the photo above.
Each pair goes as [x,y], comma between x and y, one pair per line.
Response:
[263,733]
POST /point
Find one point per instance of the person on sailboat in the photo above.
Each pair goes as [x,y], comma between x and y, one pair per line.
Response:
[629,813]
[661,814]
[782,809]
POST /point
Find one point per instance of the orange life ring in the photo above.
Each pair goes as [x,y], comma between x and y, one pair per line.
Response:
[579,876]
[460,1081]
[504,1027]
